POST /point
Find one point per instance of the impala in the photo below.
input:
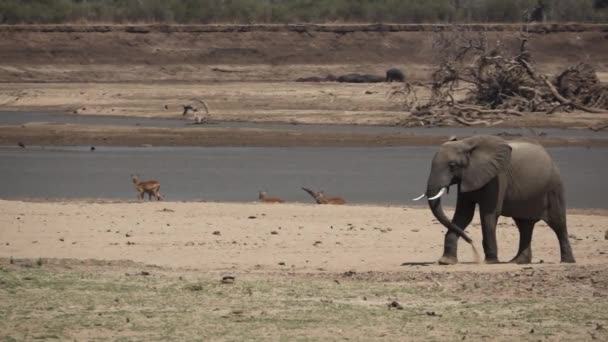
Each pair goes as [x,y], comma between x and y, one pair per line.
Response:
[263,196]
[320,197]
[151,187]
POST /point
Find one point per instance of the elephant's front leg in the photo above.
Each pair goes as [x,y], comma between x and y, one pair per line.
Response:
[490,204]
[463,216]
[488,229]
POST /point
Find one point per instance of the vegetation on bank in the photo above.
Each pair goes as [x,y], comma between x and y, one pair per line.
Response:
[289,11]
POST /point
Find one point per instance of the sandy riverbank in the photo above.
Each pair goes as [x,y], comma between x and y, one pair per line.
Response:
[251,236]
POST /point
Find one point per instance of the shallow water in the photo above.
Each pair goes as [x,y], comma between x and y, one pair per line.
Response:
[379,175]
[20,118]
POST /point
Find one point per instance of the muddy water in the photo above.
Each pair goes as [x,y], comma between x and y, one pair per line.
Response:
[361,175]
[20,118]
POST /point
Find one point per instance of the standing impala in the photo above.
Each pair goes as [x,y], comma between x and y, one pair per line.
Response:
[263,197]
[151,187]
[320,197]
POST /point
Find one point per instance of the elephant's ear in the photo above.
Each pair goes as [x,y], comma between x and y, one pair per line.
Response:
[488,156]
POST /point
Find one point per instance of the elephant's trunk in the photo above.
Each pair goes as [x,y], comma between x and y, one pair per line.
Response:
[437,211]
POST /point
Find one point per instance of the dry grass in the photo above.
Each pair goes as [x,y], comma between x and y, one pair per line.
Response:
[97,300]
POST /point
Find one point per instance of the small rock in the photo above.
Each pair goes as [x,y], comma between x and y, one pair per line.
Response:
[395,305]
[228,279]
[61,239]
[274,232]
[281,263]
[349,273]
[317,243]
[252,217]
[606,235]
[129,243]
[194,287]
[217,232]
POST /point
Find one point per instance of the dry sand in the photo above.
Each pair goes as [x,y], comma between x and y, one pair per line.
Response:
[247,237]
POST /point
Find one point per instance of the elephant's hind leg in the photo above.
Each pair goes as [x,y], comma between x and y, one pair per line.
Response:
[561,230]
[556,219]
[524,253]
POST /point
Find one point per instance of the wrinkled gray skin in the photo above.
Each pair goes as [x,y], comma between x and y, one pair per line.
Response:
[516,179]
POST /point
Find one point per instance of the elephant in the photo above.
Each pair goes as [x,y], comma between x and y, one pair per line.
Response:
[515,178]
[394,75]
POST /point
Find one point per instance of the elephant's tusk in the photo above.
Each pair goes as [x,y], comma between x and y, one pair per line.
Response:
[419,198]
[439,194]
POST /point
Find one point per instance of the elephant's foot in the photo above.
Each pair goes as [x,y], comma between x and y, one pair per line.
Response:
[522,258]
[569,259]
[448,260]
[492,260]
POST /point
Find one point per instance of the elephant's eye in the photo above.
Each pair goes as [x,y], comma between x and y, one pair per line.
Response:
[453,165]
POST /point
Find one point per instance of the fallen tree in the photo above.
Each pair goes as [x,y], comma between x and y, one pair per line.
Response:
[499,81]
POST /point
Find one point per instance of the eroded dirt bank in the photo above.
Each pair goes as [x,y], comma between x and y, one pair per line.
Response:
[98,53]
[245,73]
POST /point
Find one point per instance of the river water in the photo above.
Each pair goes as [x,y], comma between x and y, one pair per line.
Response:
[378,175]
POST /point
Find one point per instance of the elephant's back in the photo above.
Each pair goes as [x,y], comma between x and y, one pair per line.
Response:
[532,168]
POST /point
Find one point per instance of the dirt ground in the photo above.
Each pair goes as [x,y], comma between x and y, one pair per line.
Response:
[126,270]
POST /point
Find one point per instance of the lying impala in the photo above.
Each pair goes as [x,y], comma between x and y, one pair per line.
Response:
[321,199]
[197,118]
[151,187]
[263,196]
